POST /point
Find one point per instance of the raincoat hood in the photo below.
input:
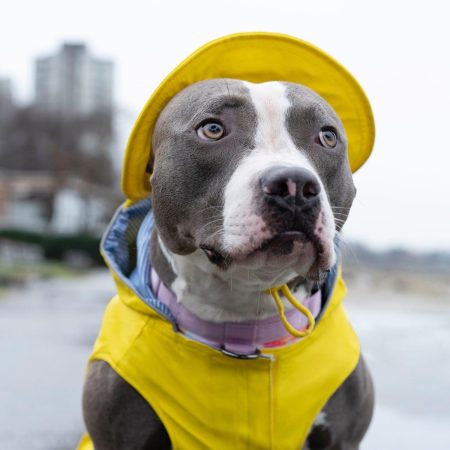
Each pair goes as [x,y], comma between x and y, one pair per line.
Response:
[256,57]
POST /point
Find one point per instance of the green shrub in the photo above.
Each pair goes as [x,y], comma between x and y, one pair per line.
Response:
[56,247]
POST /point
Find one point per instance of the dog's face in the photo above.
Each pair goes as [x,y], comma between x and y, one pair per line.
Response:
[255,175]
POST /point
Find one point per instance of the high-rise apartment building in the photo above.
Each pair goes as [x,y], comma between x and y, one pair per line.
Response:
[73,83]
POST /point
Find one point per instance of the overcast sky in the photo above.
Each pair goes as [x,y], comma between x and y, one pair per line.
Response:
[398,50]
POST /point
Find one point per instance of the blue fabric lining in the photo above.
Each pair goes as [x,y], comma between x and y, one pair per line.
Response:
[126,249]
[327,289]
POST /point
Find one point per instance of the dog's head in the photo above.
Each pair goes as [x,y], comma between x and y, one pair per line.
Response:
[255,175]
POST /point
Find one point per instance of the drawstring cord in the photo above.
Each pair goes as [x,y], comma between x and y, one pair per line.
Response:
[274,292]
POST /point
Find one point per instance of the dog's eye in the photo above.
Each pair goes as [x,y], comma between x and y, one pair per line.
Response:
[328,138]
[211,131]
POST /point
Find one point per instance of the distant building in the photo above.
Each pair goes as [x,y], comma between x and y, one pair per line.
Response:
[55,155]
[6,99]
[73,83]
[33,202]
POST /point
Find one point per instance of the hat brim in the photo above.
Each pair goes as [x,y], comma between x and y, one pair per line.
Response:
[255,57]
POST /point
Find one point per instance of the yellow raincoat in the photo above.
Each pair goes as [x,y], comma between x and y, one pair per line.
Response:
[207,400]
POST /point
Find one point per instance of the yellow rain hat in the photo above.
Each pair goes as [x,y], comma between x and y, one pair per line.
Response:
[256,57]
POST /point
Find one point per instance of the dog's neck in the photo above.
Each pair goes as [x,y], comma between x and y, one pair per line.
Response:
[214,294]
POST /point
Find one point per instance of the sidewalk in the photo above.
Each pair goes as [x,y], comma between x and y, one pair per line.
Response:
[46,333]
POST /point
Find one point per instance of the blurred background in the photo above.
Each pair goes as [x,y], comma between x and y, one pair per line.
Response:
[73,77]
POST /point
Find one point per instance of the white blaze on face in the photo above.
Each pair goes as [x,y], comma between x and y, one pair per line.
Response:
[244,228]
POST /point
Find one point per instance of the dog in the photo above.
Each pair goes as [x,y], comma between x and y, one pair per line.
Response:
[251,185]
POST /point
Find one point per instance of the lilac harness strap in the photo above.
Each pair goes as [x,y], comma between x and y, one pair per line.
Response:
[238,338]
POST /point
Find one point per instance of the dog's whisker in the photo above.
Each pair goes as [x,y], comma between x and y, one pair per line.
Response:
[345,244]
[340,207]
[217,232]
[213,216]
[217,219]
[342,211]
[217,207]
[212,222]
[341,217]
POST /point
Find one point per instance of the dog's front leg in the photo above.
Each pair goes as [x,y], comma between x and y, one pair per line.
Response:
[116,415]
[345,418]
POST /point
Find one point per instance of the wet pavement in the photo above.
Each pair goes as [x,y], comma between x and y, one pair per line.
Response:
[46,332]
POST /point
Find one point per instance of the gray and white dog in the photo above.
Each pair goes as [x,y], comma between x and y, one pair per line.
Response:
[251,184]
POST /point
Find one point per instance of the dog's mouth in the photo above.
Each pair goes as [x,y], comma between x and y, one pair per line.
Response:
[282,243]
[214,256]
[278,246]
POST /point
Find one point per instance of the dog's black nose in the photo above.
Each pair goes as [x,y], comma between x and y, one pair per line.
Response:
[289,186]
